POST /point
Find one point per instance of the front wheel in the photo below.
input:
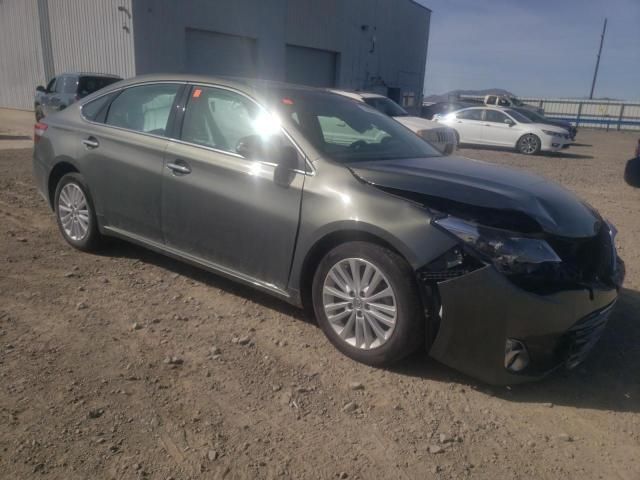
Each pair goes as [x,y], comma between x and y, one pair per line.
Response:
[529,144]
[367,303]
[39,113]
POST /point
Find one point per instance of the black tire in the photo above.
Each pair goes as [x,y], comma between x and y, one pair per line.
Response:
[408,333]
[92,240]
[39,114]
[529,144]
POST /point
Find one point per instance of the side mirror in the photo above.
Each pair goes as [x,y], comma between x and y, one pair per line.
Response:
[509,122]
[287,160]
[40,88]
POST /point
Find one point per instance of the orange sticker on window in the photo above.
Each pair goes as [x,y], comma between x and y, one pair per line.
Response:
[197,92]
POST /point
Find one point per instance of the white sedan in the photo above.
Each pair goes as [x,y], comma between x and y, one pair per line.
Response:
[443,138]
[504,127]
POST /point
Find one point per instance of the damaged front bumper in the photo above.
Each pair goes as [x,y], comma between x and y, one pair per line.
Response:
[483,312]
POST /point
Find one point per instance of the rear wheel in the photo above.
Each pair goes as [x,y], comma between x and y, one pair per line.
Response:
[529,144]
[75,213]
[367,303]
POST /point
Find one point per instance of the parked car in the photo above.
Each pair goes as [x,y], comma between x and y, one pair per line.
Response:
[65,89]
[442,108]
[508,101]
[443,138]
[497,272]
[505,128]
[537,118]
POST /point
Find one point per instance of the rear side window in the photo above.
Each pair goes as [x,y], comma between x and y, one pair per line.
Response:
[144,108]
[475,114]
[88,85]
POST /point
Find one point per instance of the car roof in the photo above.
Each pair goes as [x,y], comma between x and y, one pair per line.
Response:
[251,86]
[88,74]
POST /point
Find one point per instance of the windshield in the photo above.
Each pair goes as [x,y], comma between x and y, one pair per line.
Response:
[386,106]
[347,130]
[518,117]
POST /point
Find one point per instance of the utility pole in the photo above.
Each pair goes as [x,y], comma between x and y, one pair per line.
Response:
[595,74]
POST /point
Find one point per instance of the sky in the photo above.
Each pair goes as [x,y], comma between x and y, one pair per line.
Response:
[534,47]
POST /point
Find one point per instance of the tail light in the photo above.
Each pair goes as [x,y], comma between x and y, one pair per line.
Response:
[38,131]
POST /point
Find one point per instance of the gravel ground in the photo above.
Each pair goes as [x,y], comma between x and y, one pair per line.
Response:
[127,365]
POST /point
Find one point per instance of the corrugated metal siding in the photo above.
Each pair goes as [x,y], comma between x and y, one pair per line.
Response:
[92,35]
[21,68]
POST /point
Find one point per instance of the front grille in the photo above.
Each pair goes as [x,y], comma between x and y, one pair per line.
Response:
[582,337]
[586,260]
[586,263]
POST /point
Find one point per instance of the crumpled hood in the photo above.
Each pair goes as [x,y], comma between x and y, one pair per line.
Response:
[481,184]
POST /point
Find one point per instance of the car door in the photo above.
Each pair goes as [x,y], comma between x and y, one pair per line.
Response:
[122,154]
[46,98]
[469,125]
[221,208]
[56,100]
[499,129]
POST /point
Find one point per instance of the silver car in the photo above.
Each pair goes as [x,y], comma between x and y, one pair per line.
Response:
[326,202]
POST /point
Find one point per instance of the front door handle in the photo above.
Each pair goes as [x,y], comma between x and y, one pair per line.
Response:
[179,168]
[91,143]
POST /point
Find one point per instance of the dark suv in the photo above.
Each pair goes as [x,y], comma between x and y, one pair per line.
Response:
[63,90]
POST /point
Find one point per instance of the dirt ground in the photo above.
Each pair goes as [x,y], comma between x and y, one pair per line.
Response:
[127,365]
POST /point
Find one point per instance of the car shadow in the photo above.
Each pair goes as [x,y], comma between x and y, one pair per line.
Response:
[564,154]
[632,172]
[117,248]
[15,137]
[607,380]
[581,145]
[560,154]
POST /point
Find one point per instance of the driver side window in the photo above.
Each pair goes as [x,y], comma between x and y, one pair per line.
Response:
[220,118]
[51,85]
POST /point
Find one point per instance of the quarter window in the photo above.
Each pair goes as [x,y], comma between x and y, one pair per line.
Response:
[220,119]
[144,108]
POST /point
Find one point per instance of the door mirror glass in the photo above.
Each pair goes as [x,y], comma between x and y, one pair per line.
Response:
[40,88]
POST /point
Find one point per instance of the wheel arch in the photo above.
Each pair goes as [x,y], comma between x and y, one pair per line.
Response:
[330,240]
[60,169]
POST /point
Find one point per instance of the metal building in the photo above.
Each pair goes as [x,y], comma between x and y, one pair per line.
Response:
[375,45]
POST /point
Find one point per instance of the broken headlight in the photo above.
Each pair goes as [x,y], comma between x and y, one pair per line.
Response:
[510,252]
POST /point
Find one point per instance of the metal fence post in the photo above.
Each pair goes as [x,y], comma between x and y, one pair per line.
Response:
[579,113]
[621,115]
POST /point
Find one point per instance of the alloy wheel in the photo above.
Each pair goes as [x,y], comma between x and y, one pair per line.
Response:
[359,303]
[73,212]
[529,144]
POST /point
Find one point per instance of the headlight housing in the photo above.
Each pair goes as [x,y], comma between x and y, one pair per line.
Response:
[552,134]
[510,252]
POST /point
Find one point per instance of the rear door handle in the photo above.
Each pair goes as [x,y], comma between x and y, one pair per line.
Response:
[179,168]
[91,142]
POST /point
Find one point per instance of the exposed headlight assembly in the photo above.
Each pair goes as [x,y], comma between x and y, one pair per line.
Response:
[552,134]
[510,252]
